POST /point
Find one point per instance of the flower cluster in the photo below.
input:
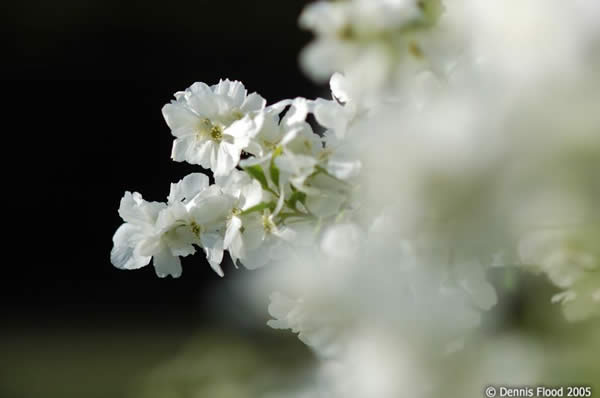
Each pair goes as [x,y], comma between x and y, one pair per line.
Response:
[290,178]
[453,143]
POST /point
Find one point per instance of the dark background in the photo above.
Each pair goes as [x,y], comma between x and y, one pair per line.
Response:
[83,86]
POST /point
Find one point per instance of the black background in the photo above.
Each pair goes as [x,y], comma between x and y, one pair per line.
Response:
[83,86]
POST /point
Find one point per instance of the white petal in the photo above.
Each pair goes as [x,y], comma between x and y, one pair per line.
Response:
[286,234]
[234,89]
[201,100]
[149,246]
[227,157]
[279,308]
[183,251]
[210,210]
[343,169]
[237,249]
[242,129]
[232,231]
[296,164]
[290,135]
[255,259]
[169,216]
[137,211]
[200,153]
[253,102]
[182,147]
[253,231]
[233,182]
[122,254]
[297,112]
[200,89]
[237,92]
[278,107]
[188,187]
[253,161]
[339,87]
[251,195]
[166,264]
[331,115]
[177,116]
[325,204]
[213,246]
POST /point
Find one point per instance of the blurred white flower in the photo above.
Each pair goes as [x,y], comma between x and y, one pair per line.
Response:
[366,38]
[571,260]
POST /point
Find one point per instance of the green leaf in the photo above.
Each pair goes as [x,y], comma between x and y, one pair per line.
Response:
[258,174]
[273,169]
[259,207]
[296,196]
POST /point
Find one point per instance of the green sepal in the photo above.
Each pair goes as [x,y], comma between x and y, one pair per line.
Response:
[258,174]
[296,196]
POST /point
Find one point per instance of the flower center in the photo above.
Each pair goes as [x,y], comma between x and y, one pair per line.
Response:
[196,229]
[216,133]
[207,129]
[268,225]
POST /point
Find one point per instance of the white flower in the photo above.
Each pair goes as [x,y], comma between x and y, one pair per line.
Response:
[271,133]
[263,239]
[291,144]
[342,241]
[470,275]
[140,218]
[305,320]
[247,193]
[142,238]
[298,157]
[194,215]
[582,300]
[200,214]
[571,260]
[212,125]
[559,253]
